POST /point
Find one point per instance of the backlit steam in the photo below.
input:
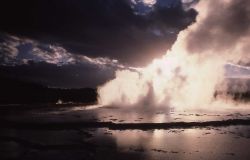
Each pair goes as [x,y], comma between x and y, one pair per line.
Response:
[193,70]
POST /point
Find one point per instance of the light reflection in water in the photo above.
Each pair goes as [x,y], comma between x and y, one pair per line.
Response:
[207,143]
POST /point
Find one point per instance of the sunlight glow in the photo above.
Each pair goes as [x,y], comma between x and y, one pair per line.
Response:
[149,2]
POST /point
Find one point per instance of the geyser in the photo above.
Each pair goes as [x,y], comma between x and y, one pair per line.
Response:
[189,74]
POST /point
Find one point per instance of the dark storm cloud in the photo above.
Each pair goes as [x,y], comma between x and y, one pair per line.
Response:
[99,28]
[225,28]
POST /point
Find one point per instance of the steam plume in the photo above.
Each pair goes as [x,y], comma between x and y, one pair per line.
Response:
[193,70]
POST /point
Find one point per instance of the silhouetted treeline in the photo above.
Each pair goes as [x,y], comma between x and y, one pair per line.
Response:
[238,96]
[20,92]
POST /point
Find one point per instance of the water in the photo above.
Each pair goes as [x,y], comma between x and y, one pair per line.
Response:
[206,142]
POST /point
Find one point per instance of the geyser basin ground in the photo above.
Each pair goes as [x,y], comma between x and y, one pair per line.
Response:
[66,132]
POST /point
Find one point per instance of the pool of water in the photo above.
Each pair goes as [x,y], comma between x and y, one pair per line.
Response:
[222,142]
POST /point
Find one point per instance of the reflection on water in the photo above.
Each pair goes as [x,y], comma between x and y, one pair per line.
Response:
[101,143]
[210,143]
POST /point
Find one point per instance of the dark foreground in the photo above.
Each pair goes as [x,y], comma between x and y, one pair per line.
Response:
[65,132]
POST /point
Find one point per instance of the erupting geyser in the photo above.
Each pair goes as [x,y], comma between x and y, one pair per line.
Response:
[193,70]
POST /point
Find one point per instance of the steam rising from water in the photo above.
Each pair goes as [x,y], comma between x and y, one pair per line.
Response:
[193,70]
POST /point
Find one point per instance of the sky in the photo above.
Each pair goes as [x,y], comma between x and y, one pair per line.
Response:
[81,43]
[76,43]
[73,44]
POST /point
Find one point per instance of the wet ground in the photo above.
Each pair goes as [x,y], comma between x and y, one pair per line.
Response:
[80,132]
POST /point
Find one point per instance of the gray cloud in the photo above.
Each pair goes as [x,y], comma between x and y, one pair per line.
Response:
[52,65]
[126,30]
[17,51]
[224,28]
[8,48]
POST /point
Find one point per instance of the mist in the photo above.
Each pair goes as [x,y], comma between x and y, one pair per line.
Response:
[189,74]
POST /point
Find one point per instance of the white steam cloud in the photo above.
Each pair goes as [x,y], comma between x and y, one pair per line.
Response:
[193,70]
